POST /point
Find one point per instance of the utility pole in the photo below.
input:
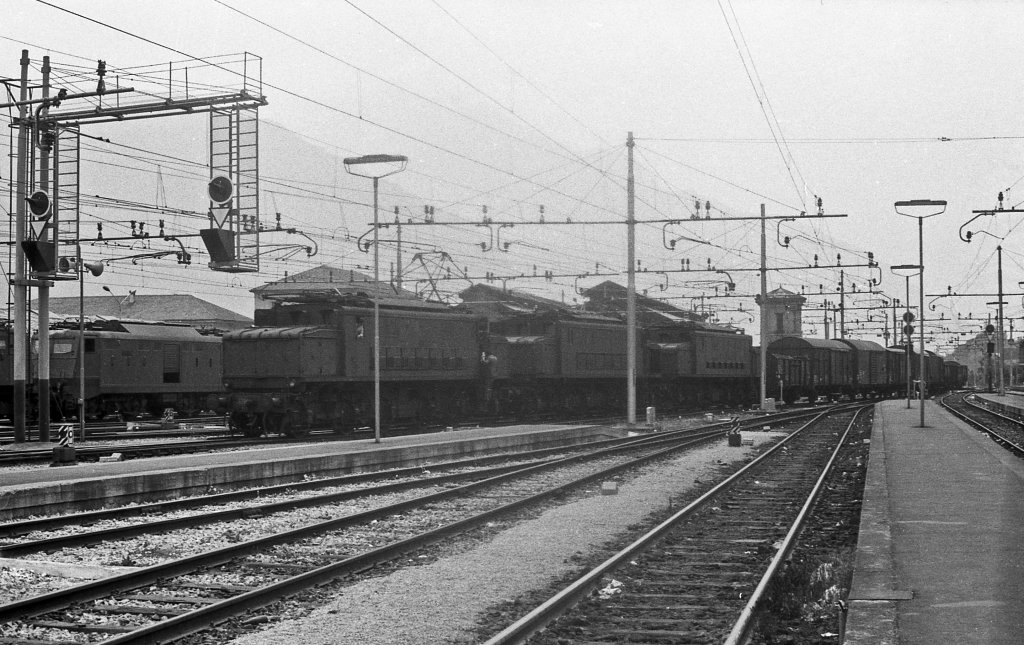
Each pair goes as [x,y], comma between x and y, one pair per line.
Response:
[631,287]
[44,141]
[999,325]
[764,305]
[20,285]
[398,254]
[842,304]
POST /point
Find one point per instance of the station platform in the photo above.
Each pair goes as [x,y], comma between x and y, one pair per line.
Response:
[940,555]
[88,486]
[1010,404]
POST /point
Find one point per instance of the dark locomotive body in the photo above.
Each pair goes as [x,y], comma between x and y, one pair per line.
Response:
[6,369]
[559,361]
[312,363]
[134,368]
[689,364]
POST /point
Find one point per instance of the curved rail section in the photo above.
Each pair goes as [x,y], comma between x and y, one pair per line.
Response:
[1004,430]
[684,581]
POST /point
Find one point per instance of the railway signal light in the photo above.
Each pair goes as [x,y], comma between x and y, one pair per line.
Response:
[39,204]
[41,254]
[908,330]
[220,189]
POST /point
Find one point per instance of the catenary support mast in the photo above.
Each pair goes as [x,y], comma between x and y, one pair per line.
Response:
[630,287]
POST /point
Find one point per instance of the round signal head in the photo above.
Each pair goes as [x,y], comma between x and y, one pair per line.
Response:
[220,189]
[39,203]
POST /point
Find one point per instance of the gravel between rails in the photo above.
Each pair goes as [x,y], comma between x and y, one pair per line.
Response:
[439,602]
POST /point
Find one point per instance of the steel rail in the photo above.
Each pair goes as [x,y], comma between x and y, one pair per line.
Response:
[521,630]
[202,617]
[1009,443]
[20,527]
[741,630]
[148,575]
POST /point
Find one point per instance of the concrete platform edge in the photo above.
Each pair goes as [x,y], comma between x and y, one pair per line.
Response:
[97,491]
[871,617]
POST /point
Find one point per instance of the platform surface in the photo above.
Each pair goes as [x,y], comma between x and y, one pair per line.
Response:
[941,550]
[270,452]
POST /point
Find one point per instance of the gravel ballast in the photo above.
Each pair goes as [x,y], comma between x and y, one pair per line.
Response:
[441,601]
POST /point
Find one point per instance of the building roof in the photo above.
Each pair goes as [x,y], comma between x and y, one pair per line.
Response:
[328,282]
[184,308]
[610,297]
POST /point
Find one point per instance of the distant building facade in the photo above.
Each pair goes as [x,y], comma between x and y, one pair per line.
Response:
[784,313]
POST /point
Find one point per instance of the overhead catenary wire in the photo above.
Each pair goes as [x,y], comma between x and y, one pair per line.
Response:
[762,100]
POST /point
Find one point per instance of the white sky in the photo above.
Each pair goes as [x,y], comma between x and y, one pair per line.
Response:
[863,92]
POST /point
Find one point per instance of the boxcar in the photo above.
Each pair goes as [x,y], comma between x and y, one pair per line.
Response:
[869,367]
[810,367]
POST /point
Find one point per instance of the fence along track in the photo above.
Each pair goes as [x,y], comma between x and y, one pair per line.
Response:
[687,580]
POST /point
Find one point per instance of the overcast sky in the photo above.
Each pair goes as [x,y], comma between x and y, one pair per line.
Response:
[515,105]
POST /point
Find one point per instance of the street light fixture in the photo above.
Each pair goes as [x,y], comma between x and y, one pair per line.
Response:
[385,165]
[921,209]
[95,268]
[906,271]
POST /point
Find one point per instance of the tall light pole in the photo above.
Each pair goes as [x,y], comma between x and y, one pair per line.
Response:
[921,209]
[96,269]
[385,165]
[906,271]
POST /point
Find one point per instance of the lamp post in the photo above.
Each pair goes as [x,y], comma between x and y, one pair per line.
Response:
[906,271]
[921,209]
[116,297]
[387,165]
[96,269]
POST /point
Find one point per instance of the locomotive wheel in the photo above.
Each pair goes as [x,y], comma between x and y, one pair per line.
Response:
[292,425]
[247,423]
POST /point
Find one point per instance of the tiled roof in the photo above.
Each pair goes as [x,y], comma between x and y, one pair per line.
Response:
[330,279]
[167,308]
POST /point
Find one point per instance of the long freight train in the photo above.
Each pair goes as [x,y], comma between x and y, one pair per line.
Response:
[310,362]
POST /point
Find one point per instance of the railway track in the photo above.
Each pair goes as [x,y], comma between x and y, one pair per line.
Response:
[39,534]
[95,448]
[699,575]
[177,597]
[1006,430]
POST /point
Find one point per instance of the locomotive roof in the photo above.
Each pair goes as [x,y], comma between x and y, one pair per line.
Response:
[136,329]
[279,332]
[526,340]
